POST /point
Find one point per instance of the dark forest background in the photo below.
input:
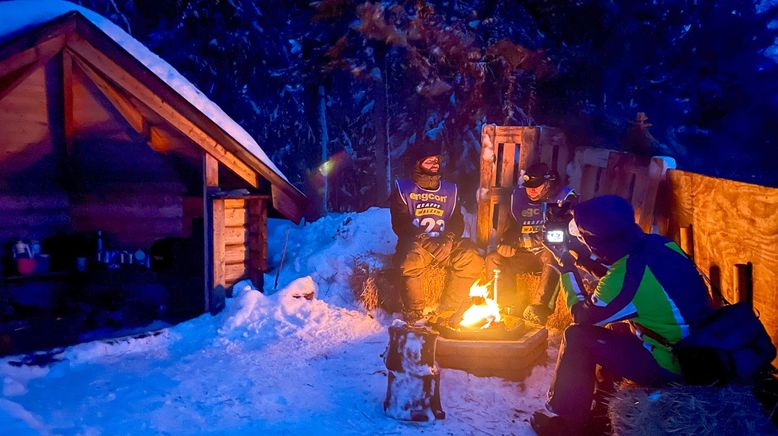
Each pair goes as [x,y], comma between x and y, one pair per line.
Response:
[343,88]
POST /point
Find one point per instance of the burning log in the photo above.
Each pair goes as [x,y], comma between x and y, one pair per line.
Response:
[413,388]
[478,311]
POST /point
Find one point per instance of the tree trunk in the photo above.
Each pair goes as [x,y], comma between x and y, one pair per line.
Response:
[325,139]
[383,162]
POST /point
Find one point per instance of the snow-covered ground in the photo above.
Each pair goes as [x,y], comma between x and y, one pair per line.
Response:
[273,363]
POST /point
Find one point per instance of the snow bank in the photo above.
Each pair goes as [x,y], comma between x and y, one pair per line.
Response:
[298,360]
[326,251]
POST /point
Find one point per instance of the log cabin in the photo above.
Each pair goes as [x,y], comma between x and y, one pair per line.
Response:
[137,196]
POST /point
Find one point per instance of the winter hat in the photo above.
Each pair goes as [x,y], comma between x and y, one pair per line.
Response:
[607,225]
[424,148]
[537,174]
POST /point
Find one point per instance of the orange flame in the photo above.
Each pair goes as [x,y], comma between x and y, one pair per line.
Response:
[483,313]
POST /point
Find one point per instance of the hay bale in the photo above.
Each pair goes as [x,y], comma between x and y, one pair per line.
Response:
[362,283]
[434,284]
[374,287]
[687,410]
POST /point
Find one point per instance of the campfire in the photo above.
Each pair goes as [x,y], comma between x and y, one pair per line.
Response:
[483,311]
[479,317]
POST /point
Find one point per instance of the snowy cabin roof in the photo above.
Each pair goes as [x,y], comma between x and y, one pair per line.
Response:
[33,23]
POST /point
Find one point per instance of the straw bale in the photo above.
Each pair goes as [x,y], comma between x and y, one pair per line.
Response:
[687,410]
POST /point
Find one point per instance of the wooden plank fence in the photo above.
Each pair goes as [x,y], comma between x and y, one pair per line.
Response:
[729,228]
[726,224]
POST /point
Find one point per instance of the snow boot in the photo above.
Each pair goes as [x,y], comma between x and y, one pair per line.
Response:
[413,317]
[537,313]
[553,425]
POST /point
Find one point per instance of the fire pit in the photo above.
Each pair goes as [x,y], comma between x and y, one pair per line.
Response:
[482,340]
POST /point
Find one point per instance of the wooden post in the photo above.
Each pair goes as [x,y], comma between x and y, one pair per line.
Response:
[214,237]
[488,158]
[257,249]
[744,288]
[687,241]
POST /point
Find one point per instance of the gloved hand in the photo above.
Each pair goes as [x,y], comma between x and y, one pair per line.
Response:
[577,247]
[506,250]
[564,259]
[439,247]
[531,241]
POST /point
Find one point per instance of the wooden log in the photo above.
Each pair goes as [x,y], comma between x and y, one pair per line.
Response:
[235,203]
[257,261]
[235,235]
[234,272]
[234,254]
[528,148]
[236,217]
[413,386]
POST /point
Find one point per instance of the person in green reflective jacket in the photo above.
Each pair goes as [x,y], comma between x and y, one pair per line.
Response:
[649,282]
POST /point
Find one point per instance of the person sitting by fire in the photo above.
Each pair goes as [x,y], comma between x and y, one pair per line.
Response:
[649,281]
[520,247]
[428,223]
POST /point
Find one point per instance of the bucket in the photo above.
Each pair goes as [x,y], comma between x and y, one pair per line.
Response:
[25,266]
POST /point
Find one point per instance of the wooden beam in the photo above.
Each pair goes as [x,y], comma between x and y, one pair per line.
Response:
[67,102]
[126,109]
[30,47]
[161,142]
[215,283]
[95,58]
[10,81]
[211,171]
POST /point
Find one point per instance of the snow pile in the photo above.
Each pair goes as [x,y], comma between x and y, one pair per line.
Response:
[302,359]
[327,249]
[255,319]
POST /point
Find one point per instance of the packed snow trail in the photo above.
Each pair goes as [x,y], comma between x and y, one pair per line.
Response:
[275,363]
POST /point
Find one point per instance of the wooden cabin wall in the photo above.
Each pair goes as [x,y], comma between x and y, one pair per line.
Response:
[28,159]
[732,223]
[135,194]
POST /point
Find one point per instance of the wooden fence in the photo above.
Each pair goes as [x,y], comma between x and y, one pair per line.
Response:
[723,224]
[729,228]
